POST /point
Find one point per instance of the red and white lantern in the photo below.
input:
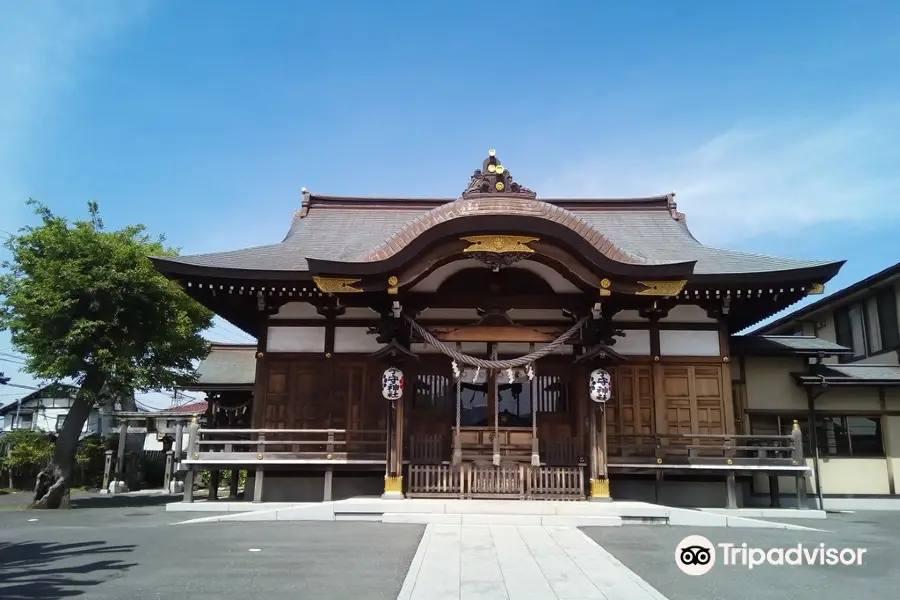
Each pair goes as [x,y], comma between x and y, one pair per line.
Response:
[392,384]
[600,386]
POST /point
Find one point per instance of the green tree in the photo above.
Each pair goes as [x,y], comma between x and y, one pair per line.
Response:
[85,304]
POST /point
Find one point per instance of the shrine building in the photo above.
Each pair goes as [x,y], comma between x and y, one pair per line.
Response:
[501,345]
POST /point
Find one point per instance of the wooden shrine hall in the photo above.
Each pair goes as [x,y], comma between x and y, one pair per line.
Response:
[494,345]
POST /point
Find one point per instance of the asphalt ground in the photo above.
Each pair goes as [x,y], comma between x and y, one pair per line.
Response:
[649,551]
[128,549]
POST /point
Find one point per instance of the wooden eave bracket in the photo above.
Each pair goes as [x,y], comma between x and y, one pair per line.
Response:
[600,351]
[394,350]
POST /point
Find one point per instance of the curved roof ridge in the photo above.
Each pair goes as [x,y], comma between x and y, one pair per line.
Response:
[499,205]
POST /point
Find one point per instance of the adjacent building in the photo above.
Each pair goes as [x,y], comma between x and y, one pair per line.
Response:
[46,410]
[852,394]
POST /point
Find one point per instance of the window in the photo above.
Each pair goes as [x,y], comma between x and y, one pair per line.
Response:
[60,419]
[870,327]
[433,392]
[25,421]
[887,319]
[873,327]
[836,435]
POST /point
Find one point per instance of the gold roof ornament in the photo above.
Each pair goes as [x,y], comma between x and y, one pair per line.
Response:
[493,178]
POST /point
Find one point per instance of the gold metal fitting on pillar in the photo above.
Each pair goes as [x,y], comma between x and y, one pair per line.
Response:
[393,484]
[599,488]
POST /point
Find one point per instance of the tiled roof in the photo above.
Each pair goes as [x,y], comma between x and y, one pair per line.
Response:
[345,233]
[775,345]
[852,375]
[836,299]
[191,408]
[227,365]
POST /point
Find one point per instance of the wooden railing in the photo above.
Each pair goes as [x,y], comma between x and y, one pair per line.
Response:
[750,451]
[288,445]
[470,480]
[435,448]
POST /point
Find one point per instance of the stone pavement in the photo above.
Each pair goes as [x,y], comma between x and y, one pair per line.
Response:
[500,562]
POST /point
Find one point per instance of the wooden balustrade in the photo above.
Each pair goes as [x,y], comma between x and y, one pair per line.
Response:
[290,446]
[470,480]
[737,451]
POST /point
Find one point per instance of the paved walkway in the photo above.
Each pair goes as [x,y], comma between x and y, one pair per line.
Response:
[506,562]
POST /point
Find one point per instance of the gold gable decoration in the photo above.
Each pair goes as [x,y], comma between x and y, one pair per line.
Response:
[661,288]
[336,285]
[499,244]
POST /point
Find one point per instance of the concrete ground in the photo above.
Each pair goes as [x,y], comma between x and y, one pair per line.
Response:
[125,548]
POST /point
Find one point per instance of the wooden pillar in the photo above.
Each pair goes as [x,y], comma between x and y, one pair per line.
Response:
[774,492]
[233,484]
[328,492]
[178,444]
[167,477]
[257,484]
[593,443]
[398,438]
[260,474]
[581,406]
[214,477]
[886,440]
[599,480]
[193,438]
[728,415]
[107,471]
[393,480]
[120,455]
[730,491]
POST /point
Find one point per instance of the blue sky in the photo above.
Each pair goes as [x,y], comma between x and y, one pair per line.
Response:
[777,124]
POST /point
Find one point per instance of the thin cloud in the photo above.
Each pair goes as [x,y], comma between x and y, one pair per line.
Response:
[758,180]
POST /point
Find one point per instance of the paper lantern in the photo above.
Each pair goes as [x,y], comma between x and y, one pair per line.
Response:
[600,386]
[392,384]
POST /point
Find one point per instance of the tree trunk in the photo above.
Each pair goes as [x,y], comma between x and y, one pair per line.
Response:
[52,486]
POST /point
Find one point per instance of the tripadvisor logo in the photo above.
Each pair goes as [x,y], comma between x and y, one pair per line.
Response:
[696,555]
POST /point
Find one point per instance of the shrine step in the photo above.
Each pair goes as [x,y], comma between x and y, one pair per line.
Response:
[498,519]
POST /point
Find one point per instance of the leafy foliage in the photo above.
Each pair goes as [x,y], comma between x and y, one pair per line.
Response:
[81,301]
[224,478]
[29,450]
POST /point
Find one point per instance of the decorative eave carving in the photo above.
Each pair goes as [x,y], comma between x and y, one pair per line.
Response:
[337,285]
[816,289]
[661,288]
[493,179]
[497,251]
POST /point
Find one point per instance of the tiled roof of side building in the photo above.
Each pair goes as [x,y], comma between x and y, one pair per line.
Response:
[858,375]
[227,366]
[776,345]
[345,233]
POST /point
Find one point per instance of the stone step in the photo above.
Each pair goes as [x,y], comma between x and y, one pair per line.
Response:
[500,519]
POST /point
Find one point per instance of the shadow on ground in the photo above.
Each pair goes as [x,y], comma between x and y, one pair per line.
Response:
[50,571]
[21,501]
[104,501]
